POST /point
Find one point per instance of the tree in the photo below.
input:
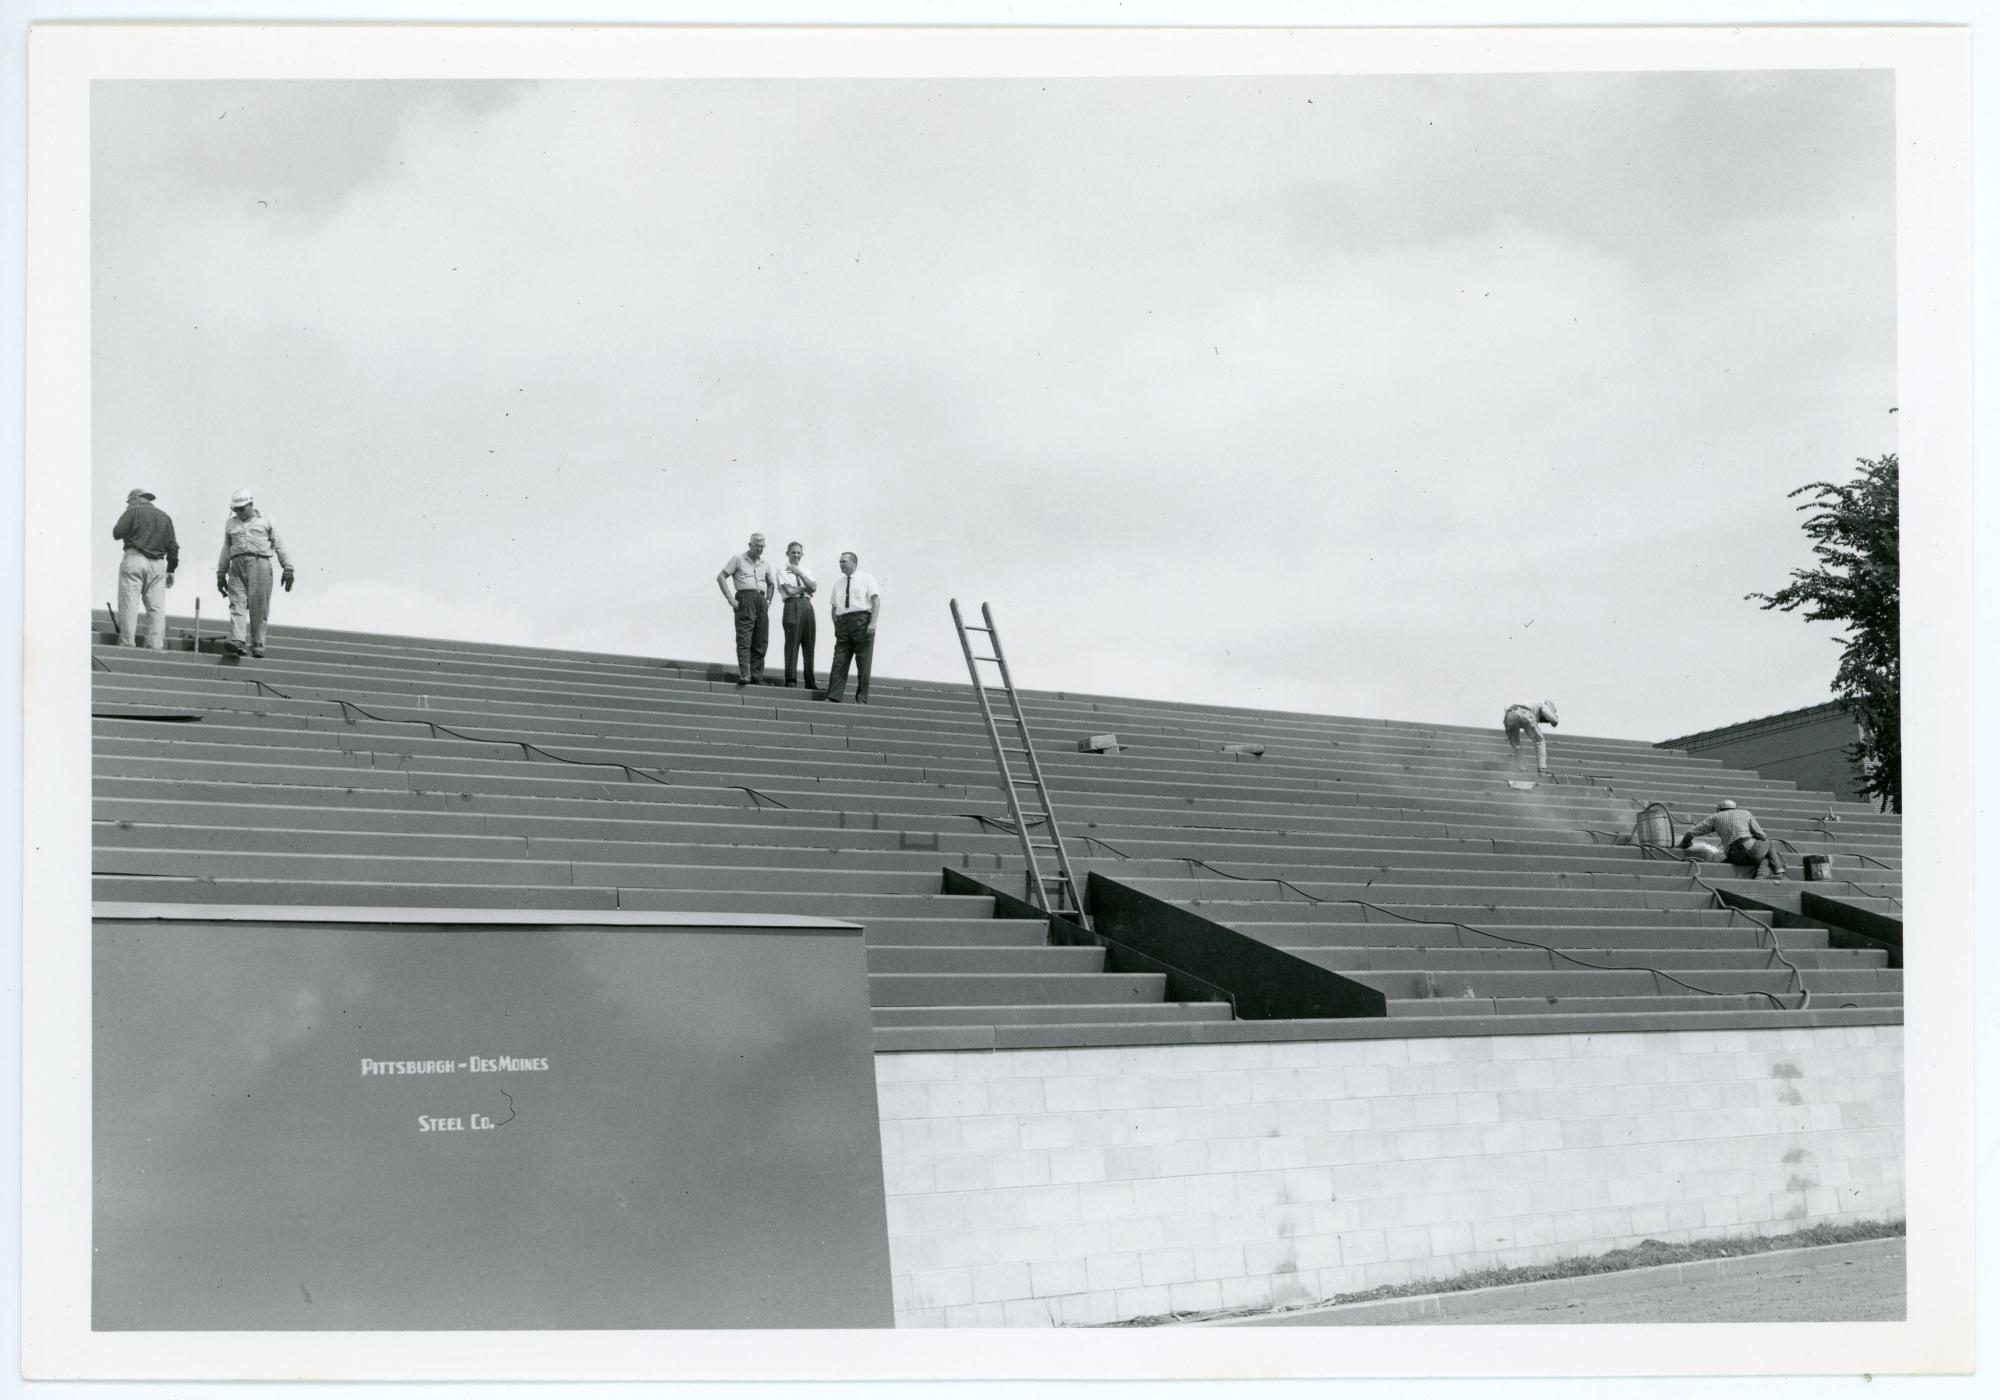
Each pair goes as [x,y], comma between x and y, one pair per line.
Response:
[1857,582]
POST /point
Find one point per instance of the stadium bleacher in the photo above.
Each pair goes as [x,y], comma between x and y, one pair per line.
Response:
[362,769]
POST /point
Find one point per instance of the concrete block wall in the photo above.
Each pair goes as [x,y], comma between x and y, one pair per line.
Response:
[1080,1186]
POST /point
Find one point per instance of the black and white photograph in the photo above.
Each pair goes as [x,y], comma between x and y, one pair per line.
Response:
[1041,704]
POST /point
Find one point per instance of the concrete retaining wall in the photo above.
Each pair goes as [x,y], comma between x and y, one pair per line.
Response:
[1050,1187]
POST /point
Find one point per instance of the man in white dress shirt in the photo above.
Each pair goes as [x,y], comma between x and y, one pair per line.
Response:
[796,586]
[857,611]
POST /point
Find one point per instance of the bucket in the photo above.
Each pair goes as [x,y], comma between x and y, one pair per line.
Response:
[1654,827]
[1818,867]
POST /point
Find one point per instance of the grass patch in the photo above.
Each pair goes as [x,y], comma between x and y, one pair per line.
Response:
[1643,1255]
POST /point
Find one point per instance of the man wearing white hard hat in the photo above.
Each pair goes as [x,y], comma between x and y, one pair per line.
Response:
[146,571]
[1524,722]
[243,572]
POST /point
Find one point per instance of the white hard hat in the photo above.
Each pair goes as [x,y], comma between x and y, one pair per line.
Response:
[241,498]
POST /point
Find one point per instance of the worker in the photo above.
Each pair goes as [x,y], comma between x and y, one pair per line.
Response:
[1520,720]
[1744,842]
[152,556]
[243,572]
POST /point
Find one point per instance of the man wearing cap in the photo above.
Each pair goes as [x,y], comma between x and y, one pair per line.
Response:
[1524,721]
[243,572]
[857,608]
[748,585]
[152,555]
[1744,843]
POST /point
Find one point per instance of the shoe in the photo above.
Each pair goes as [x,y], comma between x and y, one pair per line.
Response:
[743,680]
[791,685]
[833,699]
[860,699]
[234,647]
[256,651]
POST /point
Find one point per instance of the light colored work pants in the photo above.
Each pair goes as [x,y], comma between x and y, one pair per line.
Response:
[249,599]
[140,578]
[1520,724]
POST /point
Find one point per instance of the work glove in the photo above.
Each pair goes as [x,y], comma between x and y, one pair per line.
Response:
[222,584]
[170,580]
[287,580]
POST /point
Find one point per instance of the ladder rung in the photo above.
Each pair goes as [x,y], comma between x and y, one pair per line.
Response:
[970,628]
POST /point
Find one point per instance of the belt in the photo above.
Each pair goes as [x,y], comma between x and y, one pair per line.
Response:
[144,553]
[234,557]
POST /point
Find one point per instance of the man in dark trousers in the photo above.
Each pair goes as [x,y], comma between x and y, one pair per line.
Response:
[152,555]
[748,585]
[857,610]
[796,586]
[1744,842]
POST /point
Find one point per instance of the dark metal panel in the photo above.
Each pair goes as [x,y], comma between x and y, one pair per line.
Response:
[1264,982]
[639,1128]
[1118,957]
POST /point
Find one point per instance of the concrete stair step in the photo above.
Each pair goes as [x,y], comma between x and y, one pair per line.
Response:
[1447,984]
[1676,960]
[1249,915]
[258,865]
[1470,1008]
[889,932]
[154,889]
[1056,1014]
[1012,988]
[1174,875]
[938,960]
[1468,895]
[1567,936]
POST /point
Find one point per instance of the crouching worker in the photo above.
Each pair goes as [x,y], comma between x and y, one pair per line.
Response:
[1525,721]
[1744,842]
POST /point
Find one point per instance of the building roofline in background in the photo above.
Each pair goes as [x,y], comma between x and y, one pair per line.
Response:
[1752,726]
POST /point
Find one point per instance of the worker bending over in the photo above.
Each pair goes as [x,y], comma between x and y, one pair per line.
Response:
[1526,720]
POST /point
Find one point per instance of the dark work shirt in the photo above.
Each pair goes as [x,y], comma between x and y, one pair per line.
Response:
[150,530]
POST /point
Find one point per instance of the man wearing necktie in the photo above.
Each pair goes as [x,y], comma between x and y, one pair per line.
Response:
[857,610]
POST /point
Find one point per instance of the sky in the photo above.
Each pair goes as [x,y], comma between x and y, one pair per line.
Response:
[1405,397]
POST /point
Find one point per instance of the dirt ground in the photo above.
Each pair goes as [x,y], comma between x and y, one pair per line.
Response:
[1863,1290]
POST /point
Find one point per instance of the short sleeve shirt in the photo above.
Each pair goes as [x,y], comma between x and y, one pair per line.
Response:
[752,574]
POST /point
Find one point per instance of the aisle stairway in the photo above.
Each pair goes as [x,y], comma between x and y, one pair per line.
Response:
[356,769]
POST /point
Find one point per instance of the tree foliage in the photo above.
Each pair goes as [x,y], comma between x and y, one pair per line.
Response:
[1857,583]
